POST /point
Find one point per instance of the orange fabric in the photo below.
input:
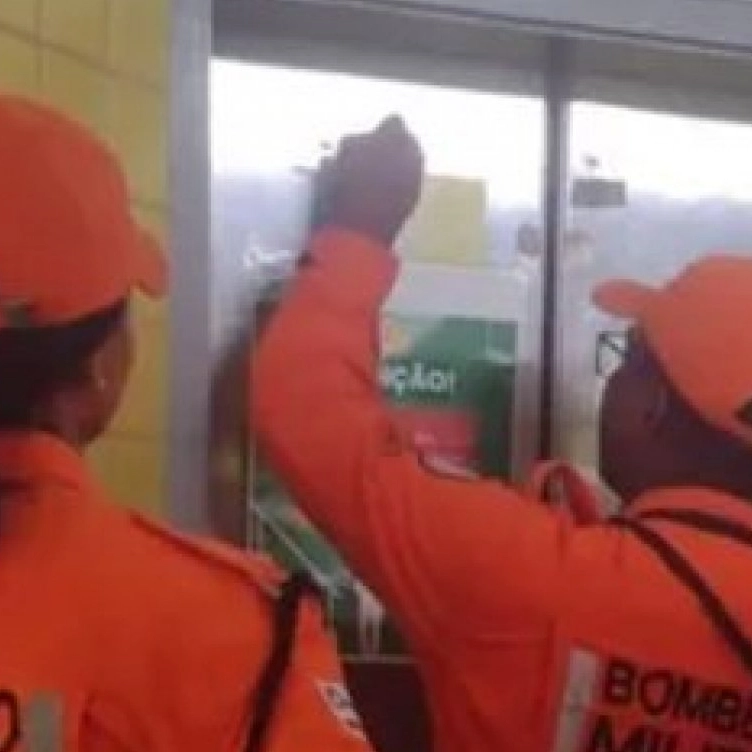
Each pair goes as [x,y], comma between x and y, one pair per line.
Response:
[697,327]
[145,640]
[68,243]
[528,629]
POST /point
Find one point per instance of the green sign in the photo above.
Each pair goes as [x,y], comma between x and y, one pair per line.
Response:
[452,380]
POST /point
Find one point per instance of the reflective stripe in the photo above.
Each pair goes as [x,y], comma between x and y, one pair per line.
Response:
[579,694]
[42,723]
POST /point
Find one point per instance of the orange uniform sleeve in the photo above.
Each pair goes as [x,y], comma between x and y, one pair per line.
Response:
[443,554]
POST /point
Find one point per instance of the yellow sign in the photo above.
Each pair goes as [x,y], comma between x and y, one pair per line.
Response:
[449,224]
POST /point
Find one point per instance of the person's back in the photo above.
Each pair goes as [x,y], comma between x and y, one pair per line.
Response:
[533,630]
[587,641]
[647,665]
[140,638]
[117,635]
[109,635]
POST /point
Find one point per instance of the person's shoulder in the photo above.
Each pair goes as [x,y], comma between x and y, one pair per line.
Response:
[202,557]
[132,557]
[183,625]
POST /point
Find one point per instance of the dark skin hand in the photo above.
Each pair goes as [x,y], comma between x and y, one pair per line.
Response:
[373,183]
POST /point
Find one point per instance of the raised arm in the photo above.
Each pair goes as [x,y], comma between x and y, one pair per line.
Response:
[432,547]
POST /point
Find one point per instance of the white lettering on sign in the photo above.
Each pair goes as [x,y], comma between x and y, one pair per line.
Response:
[417,377]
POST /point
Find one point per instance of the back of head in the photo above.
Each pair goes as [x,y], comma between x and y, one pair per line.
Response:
[652,437]
[63,379]
[679,410]
[71,254]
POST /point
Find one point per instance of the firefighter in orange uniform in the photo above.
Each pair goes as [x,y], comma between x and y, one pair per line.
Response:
[534,630]
[117,634]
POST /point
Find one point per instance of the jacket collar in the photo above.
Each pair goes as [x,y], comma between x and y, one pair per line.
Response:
[32,458]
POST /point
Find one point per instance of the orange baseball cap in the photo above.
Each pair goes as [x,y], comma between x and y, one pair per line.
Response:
[699,326]
[69,245]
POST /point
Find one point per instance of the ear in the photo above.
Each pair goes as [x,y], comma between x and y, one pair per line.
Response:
[657,405]
[96,371]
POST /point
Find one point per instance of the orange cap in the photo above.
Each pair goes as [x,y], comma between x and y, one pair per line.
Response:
[699,327]
[68,243]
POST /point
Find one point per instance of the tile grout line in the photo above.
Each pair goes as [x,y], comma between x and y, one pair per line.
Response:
[37,14]
[109,106]
[105,67]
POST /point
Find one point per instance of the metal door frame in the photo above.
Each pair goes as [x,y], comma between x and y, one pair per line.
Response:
[570,64]
[190,316]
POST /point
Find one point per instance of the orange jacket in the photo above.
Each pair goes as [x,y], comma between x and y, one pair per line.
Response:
[532,633]
[119,635]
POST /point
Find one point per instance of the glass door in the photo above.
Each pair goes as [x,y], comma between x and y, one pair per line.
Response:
[649,193]
[461,331]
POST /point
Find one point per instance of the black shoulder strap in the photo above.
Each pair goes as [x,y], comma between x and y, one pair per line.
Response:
[707,523]
[710,604]
[284,623]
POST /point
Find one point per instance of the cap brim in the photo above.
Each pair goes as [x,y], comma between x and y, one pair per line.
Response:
[149,265]
[623,298]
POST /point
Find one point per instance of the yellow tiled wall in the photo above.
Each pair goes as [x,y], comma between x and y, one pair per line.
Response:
[105,63]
